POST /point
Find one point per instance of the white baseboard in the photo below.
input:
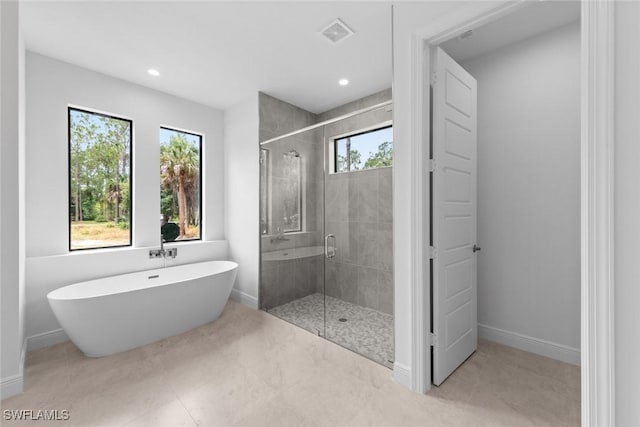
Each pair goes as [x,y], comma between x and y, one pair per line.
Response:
[14,384]
[11,386]
[402,374]
[533,345]
[46,339]
[243,298]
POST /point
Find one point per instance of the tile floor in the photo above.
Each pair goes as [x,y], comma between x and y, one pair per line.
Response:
[365,331]
[249,368]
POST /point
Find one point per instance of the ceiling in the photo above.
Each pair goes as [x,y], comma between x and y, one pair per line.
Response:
[221,53]
[529,21]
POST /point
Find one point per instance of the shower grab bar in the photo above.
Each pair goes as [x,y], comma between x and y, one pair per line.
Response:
[328,254]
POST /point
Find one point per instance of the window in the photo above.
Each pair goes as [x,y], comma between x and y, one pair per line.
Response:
[180,185]
[264,191]
[99,180]
[291,192]
[364,150]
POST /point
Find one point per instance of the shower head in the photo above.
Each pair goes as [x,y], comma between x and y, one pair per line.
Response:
[292,153]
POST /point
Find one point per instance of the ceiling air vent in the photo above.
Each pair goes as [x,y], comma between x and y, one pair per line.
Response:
[336,32]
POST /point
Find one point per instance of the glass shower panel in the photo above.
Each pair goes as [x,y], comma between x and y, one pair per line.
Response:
[292,229]
[358,223]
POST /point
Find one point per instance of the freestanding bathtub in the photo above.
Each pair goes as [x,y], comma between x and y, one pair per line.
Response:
[117,313]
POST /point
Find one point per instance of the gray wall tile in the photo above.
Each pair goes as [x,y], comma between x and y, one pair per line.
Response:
[385,195]
[385,246]
[367,101]
[368,294]
[347,277]
[331,279]
[367,235]
[385,291]
[367,195]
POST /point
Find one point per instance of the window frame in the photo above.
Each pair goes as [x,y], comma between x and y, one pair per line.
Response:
[334,145]
[71,108]
[200,170]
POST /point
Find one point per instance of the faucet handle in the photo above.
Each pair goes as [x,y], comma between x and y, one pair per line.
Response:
[172,253]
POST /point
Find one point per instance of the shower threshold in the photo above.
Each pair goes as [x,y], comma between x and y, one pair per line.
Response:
[360,329]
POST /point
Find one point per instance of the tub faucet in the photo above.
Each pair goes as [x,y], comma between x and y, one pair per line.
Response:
[162,252]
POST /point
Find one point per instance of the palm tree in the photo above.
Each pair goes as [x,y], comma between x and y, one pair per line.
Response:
[179,168]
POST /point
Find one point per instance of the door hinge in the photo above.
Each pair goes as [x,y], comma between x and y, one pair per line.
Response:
[432,165]
[433,252]
[434,78]
[434,339]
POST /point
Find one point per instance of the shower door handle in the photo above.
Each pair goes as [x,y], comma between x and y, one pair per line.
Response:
[329,253]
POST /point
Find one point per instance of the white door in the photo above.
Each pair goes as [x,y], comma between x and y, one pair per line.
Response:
[454,290]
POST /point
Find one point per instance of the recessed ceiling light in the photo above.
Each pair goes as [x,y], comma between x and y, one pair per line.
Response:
[343,82]
[153,72]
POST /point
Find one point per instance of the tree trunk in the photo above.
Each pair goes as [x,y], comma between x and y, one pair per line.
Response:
[117,195]
[79,201]
[76,202]
[182,206]
[78,194]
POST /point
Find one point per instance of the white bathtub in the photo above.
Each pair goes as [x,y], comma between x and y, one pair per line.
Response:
[117,313]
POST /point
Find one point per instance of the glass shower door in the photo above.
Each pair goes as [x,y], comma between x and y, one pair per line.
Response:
[292,229]
[326,231]
[358,234]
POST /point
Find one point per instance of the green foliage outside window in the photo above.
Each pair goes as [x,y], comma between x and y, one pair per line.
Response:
[375,146]
[180,181]
[99,180]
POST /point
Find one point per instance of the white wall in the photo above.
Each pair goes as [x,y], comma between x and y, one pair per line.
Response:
[529,193]
[241,157]
[12,251]
[627,213]
[52,86]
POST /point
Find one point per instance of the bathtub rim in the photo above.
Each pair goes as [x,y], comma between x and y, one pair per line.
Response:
[54,294]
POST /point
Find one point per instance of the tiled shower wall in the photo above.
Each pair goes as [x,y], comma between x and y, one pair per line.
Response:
[285,281]
[358,212]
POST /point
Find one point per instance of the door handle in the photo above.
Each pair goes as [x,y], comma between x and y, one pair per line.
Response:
[476,248]
[327,253]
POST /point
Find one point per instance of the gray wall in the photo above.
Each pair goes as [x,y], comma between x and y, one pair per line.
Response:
[278,117]
[529,188]
[359,213]
[358,104]
[285,281]
[12,205]
[627,213]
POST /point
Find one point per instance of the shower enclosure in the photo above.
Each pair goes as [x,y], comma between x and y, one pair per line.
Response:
[326,230]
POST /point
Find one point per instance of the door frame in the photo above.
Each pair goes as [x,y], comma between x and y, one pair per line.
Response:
[596,152]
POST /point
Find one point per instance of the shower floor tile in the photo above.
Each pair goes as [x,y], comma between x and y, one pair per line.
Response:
[365,331]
